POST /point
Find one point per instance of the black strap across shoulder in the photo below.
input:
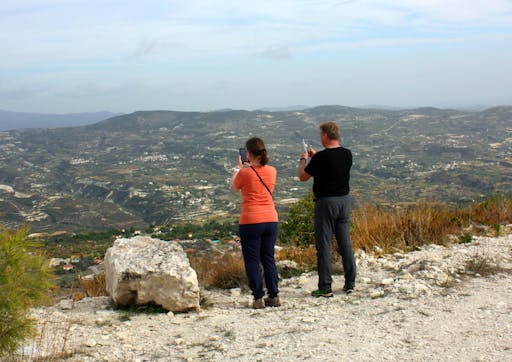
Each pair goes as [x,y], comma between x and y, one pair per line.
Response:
[257,174]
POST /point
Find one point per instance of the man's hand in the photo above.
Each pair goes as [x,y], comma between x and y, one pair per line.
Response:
[301,174]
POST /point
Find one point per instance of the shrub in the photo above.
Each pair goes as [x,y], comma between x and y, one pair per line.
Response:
[403,227]
[225,271]
[24,279]
[465,238]
[93,287]
[298,228]
[304,257]
[495,210]
[483,264]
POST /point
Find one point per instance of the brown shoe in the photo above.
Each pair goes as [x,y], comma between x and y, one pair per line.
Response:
[272,301]
[258,304]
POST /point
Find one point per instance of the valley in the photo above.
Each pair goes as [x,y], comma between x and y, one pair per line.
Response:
[159,167]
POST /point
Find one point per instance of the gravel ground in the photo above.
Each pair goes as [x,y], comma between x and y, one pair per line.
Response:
[435,304]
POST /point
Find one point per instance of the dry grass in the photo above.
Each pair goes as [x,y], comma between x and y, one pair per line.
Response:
[304,257]
[94,287]
[495,211]
[50,343]
[228,271]
[484,265]
[222,271]
[403,228]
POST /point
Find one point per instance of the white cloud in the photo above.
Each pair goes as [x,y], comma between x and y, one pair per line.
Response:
[53,30]
[74,45]
[461,12]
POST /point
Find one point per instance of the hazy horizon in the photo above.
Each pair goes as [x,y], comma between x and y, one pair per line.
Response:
[271,109]
[87,56]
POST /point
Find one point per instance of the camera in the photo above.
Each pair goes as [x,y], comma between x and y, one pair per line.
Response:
[243,154]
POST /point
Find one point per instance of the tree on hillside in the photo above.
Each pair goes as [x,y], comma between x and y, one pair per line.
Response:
[24,279]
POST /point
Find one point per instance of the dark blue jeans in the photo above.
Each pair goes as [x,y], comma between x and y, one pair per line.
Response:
[332,216]
[258,242]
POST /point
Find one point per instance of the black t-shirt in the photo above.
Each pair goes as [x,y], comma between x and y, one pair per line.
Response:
[331,171]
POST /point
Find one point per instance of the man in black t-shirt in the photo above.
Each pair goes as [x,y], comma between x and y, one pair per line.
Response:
[330,169]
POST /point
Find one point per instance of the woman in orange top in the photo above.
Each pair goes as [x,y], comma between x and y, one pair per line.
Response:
[257,225]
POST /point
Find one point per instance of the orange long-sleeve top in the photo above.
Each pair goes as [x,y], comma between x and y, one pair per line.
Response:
[257,203]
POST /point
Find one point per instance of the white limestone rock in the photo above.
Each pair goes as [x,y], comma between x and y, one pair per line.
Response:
[143,270]
[66,304]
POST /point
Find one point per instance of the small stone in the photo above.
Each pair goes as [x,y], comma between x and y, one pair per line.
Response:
[365,280]
[308,320]
[301,281]
[407,276]
[180,341]
[377,294]
[387,281]
[66,304]
[235,292]
[264,345]
[91,343]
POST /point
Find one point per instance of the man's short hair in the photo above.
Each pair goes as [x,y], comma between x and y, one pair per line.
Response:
[331,130]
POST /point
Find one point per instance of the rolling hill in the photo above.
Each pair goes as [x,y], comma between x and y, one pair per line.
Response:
[153,167]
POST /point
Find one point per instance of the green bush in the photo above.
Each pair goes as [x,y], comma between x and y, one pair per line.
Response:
[298,228]
[24,279]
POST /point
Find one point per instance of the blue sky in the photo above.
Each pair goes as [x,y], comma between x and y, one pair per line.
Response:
[62,56]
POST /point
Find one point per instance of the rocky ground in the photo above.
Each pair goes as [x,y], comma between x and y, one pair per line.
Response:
[436,304]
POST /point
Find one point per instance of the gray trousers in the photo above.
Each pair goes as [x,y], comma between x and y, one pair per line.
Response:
[332,216]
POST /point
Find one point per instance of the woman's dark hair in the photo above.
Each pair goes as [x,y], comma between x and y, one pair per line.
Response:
[256,146]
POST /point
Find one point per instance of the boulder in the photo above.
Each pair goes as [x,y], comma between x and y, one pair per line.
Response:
[142,270]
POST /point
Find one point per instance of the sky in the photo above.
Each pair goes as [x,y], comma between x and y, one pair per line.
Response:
[66,56]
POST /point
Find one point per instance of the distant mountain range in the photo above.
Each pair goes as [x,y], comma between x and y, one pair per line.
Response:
[19,120]
[284,109]
[154,167]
